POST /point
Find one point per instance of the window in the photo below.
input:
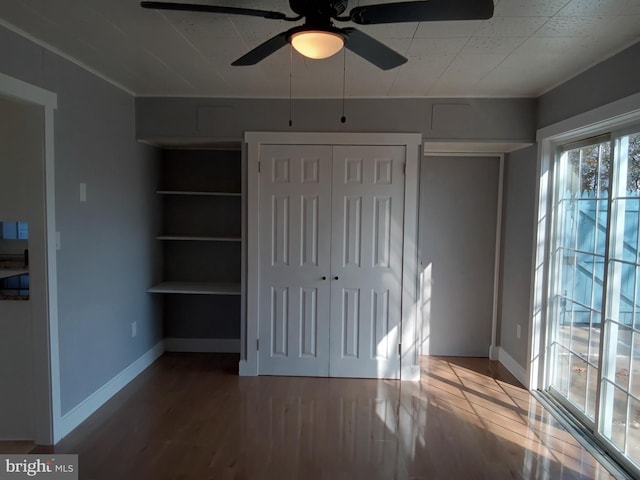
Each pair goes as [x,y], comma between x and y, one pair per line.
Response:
[581,213]
[593,320]
[619,420]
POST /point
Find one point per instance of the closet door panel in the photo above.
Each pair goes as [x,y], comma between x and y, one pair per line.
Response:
[295,193]
[366,260]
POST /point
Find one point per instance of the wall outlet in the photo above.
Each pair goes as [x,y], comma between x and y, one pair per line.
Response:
[134,329]
[518,331]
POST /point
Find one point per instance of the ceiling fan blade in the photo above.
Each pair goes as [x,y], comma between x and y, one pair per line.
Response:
[372,50]
[426,11]
[189,7]
[263,50]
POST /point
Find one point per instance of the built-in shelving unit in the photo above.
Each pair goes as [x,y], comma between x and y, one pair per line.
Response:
[196,288]
[213,194]
[201,243]
[199,239]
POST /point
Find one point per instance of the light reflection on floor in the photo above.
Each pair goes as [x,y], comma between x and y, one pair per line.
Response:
[190,416]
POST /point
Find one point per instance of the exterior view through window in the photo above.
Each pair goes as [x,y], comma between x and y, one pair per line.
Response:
[593,338]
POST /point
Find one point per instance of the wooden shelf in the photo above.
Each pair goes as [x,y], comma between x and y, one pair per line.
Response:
[196,288]
[212,194]
[198,238]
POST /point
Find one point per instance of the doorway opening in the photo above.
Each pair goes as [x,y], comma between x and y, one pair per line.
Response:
[26,124]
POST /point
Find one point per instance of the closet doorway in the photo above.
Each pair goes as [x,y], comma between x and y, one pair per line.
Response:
[334,287]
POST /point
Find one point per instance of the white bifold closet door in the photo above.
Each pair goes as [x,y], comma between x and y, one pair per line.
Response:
[331,223]
[295,287]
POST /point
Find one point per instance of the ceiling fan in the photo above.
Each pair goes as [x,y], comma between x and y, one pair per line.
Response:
[319,38]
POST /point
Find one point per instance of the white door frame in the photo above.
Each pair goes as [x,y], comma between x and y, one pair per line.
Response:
[47,413]
[487,148]
[410,369]
[494,348]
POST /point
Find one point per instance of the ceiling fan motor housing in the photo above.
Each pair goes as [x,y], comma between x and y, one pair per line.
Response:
[325,9]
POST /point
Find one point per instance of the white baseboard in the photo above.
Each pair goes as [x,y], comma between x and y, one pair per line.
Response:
[410,373]
[204,345]
[247,370]
[494,352]
[87,407]
[514,367]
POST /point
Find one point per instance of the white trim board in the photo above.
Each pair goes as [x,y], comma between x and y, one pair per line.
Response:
[24,91]
[332,138]
[497,262]
[472,148]
[93,402]
[514,367]
[206,345]
[605,117]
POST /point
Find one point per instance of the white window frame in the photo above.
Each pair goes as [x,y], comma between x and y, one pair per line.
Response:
[608,118]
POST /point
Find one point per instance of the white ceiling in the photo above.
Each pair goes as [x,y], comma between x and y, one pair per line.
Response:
[527,48]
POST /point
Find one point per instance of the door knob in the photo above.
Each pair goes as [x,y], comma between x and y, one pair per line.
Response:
[324,278]
[335,278]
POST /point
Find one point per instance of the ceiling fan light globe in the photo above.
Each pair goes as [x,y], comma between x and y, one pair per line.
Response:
[317,44]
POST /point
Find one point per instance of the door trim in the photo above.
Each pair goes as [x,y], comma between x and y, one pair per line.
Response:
[47,412]
[410,369]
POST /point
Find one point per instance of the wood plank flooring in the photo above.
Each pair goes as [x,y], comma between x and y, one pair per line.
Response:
[16,447]
[189,416]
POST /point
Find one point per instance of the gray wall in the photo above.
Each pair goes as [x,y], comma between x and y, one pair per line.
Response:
[458,211]
[437,119]
[517,250]
[108,257]
[611,80]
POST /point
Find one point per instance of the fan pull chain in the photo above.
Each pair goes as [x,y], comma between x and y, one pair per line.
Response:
[290,85]
[343,119]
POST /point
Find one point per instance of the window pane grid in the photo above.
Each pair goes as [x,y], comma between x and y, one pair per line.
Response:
[575,374]
[587,308]
[568,250]
[629,197]
[566,351]
[630,328]
[624,262]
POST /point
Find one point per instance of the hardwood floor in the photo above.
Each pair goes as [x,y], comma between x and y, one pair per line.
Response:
[189,416]
[15,447]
